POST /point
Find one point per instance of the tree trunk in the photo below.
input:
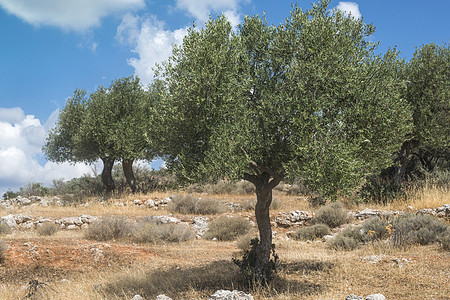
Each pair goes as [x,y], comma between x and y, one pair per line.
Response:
[402,158]
[107,179]
[127,165]
[264,187]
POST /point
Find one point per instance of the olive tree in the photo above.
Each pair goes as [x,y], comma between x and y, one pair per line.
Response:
[306,98]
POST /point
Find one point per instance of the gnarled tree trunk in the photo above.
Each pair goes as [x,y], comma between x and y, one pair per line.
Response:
[264,186]
[127,165]
[402,159]
[107,179]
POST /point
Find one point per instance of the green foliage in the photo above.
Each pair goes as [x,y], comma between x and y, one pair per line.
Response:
[247,265]
[317,201]
[34,189]
[110,227]
[428,93]
[311,232]
[227,228]
[333,215]
[48,229]
[381,189]
[186,204]
[10,195]
[150,232]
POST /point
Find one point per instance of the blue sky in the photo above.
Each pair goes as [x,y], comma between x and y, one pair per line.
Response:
[49,48]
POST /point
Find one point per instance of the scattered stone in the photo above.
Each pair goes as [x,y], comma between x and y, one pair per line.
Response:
[373,259]
[137,297]
[9,220]
[163,297]
[230,295]
[64,281]
[376,297]
[200,225]
[296,217]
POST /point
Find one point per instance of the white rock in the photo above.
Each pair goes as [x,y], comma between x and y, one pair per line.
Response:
[376,297]
[137,297]
[9,220]
[230,295]
[163,297]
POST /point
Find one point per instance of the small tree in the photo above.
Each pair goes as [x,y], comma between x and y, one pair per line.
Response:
[307,98]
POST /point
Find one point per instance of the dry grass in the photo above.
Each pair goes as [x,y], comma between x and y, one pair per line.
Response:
[195,269]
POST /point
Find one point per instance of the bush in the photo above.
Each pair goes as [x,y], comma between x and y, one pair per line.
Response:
[4,228]
[250,204]
[3,248]
[150,232]
[417,229]
[332,215]
[190,205]
[244,242]
[342,242]
[444,239]
[109,227]
[311,232]
[227,229]
[317,201]
[375,228]
[48,229]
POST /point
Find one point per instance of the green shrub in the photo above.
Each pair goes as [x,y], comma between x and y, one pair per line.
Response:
[109,227]
[48,229]
[342,242]
[332,215]
[227,228]
[317,201]
[190,205]
[311,232]
[150,232]
[375,228]
[417,229]
[4,228]
[3,248]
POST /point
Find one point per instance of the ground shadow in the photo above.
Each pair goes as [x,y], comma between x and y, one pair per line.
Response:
[207,279]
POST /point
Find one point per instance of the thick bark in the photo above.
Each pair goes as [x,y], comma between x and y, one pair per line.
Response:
[107,179]
[127,165]
[402,159]
[264,186]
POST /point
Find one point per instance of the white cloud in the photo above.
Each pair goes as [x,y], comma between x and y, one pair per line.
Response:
[20,145]
[349,8]
[77,15]
[151,42]
[201,9]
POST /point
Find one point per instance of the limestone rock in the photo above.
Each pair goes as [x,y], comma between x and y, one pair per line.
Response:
[230,295]
[163,297]
[354,297]
[376,297]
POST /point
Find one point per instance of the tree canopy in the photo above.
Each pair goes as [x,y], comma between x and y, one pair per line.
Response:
[308,98]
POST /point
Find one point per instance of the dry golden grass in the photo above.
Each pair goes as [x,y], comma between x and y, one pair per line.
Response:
[195,269]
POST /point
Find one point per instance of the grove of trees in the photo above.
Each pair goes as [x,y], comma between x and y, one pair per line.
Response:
[311,98]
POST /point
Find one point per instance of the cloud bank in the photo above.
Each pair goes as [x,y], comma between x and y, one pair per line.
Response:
[21,139]
[77,15]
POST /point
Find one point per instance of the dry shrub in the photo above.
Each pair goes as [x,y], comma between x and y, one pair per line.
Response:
[110,227]
[4,228]
[227,228]
[250,204]
[333,215]
[342,242]
[311,232]
[3,248]
[444,239]
[151,232]
[243,242]
[188,204]
[417,229]
[48,229]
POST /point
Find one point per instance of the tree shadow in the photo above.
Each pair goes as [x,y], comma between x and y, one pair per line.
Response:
[207,279]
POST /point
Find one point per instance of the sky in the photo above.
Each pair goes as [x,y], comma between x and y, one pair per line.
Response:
[49,48]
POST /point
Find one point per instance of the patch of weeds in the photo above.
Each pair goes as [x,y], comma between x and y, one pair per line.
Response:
[188,204]
[311,232]
[109,228]
[227,228]
[150,232]
[4,228]
[48,229]
[333,215]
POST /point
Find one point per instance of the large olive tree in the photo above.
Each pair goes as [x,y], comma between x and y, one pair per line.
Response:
[307,98]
